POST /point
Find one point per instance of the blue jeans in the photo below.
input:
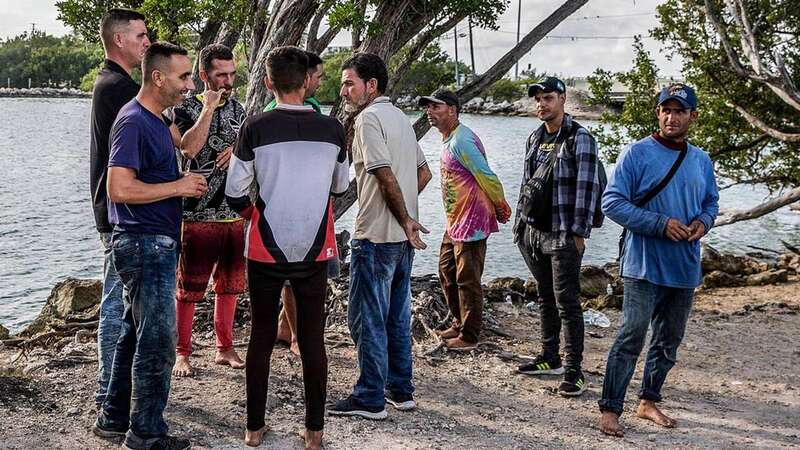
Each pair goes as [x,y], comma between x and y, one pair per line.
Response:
[379,317]
[667,310]
[111,310]
[145,353]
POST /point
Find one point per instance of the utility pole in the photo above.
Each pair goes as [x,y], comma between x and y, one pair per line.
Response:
[519,19]
[455,33]
[471,49]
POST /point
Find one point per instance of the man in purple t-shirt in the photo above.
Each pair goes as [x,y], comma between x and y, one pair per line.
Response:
[144,192]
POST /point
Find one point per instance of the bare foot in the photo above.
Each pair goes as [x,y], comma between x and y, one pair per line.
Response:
[254,438]
[312,439]
[229,358]
[648,410]
[294,348]
[182,367]
[609,424]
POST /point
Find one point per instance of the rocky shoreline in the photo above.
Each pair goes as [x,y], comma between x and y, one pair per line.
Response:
[44,93]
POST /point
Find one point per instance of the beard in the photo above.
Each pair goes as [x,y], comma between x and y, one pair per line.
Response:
[358,105]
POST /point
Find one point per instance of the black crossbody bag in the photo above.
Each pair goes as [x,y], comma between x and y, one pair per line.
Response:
[649,196]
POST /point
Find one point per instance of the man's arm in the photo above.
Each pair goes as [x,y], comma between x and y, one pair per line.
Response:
[195,138]
[702,224]
[393,197]
[588,184]
[471,157]
[124,187]
[423,177]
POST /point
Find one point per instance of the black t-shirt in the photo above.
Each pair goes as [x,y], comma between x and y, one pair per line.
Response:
[113,88]
[543,215]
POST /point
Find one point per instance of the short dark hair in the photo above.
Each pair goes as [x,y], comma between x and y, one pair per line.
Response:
[157,55]
[214,51]
[313,61]
[287,68]
[113,18]
[367,67]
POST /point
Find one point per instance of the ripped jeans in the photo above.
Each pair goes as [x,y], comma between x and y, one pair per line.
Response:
[667,310]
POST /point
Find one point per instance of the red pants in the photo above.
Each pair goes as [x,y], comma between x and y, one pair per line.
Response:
[210,250]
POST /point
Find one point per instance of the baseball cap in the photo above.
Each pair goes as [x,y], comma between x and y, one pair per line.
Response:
[682,93]
[442,97]
[549,84]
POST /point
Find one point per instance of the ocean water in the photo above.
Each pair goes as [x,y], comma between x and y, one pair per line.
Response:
[47,229]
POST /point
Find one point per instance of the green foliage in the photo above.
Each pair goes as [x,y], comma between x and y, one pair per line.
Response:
[740,151]
[328,90]
[507,90]
[433,70]
[46,59]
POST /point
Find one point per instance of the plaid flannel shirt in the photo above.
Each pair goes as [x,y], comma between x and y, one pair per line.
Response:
[576,184]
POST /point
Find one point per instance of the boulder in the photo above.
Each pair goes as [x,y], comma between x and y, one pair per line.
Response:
[594,281]
[712,260]
[71,297]
[769,277]
[497,289]
[789,261]
[4,334]
[718,278]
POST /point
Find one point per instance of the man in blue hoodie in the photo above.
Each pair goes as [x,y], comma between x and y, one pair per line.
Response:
[661,258]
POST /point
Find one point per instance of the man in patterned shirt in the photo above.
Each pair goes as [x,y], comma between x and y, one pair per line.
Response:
[474,203]
[213,234]
[558,208]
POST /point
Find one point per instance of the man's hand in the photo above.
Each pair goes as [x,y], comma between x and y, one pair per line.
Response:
[224,158]
[211,98]
[412,228]
[580,243]
[503,213]
[698,230]
[191,185]
[677,231]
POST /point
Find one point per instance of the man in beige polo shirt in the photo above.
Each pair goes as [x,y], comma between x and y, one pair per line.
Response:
[390,172]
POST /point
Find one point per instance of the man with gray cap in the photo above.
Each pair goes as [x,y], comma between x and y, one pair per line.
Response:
[558,207]
[474,203]
[664,194]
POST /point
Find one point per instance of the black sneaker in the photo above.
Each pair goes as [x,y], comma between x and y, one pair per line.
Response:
[573,385]
[108,433]
[351,407]
[542,366]
[401,402]
[165,443]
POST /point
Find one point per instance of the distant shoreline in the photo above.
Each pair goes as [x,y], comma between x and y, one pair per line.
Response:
[44,93]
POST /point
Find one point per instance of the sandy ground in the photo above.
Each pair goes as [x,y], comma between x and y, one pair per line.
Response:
[735,386]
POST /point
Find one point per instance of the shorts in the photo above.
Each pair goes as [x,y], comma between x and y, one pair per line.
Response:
[211,250]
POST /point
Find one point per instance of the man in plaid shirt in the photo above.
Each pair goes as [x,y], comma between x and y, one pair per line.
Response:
[563,171]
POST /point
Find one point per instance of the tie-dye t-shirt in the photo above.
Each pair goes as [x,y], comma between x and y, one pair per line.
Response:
[470,189]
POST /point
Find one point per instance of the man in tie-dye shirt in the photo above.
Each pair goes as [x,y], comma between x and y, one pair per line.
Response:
[474,203]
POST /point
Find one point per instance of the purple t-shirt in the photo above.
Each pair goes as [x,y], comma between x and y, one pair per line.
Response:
[141,141]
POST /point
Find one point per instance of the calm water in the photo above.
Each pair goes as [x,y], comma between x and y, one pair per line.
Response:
[47,231]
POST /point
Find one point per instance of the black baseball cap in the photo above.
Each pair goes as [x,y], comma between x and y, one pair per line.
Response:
[442,97]
[549,84]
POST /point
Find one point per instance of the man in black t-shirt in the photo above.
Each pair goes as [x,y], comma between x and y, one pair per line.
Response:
[213,233]
[125,40]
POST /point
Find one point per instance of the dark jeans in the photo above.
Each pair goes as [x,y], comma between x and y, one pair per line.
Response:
[145,353]
[379,317]
[555,263]
[111,310]
[667,310]
[265,282]
[460,271]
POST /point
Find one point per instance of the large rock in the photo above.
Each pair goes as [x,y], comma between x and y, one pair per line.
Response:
[4,334]
[594,281]
[789,261]
[497,289]
[718,279]
[769,277]
[69,297]
[712,260]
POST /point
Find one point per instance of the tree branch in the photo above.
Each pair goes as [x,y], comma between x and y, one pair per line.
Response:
[313,28]
[758,123]
[762,209]
[740,147]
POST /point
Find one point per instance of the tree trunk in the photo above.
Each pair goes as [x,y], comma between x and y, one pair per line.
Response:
[480,83]
[228,35]
[760,210]
[260,17]
[284,27]
[357,31]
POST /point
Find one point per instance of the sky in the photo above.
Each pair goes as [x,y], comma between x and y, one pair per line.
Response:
[560,53]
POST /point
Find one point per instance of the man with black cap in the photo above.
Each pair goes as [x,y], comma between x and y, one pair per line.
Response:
[664,193]
[474,203]
[557,209]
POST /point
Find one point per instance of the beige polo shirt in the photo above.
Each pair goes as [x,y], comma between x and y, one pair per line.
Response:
[384,137]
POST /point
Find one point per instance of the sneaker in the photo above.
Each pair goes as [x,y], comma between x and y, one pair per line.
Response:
[449,333]
[165,443]
[401,402]
[460,345]
[542,366]
[573,385]
[108,433]
[352,407]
